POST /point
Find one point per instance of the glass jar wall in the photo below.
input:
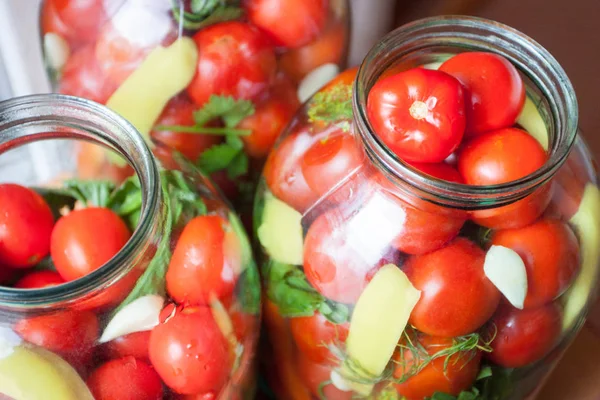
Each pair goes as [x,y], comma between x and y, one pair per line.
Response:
[389,279]
[215,80]
[140,289]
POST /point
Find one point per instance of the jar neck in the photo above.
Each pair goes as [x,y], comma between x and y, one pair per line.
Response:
[433,40]
[29,119]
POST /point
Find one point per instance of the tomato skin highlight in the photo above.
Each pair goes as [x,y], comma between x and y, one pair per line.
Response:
[456,296]
[75,246]
[190,353]
[206,261]
[419,114]
[126,379]
[524,336]
[495,92]
[39,279]
[234,59]
[314,334]
[134,344]
[550,251]
[26,222]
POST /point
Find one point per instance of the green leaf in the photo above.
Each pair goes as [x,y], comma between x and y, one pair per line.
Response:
[46,264]
[217,158]
[248,290]
[222,14]
[484,372]
[89,192]
[230,110]
[335,312]
[332,105]
[57,199]
[203,130]
[238,166]
[442,396]
[203,7]
[478,234]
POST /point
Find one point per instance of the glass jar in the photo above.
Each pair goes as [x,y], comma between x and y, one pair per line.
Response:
[144,287]
[382,281]
[159,62]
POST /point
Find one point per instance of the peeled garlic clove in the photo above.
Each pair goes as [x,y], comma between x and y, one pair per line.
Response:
[506,270]
[140,315]
[339,381]
[57,50]
[315,80]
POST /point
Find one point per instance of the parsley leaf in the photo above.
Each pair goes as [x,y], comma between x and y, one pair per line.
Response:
[230,110]
[217,157]
[331,105]
[206,12]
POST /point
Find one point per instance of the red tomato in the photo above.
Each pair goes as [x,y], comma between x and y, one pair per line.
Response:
[346,77]
[76,21]
[317,378]
[206,261]
[190,353]
[8,275]
[441,171]
[125,379]
[235,59]
[314,334]
[132,345]
[39,279]
[70,334]
[330,161]
[419,114]
[228,186]
[524,336]
[26,223]
[450,375]
[290,23]
[550,252]
[495,91]
[85,239]
[82,77]
[456,296]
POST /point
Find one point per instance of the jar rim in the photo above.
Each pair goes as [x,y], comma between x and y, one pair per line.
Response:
[33,118]
[474,34]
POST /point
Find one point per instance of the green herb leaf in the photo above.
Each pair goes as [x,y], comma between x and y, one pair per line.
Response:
[203,130]
[332,105]
[477,234]
[230,110]
[248,285]
[90,193]
[238,166]
[335,312]
[217,158]
[203,7]
[222,14]
[484,372]
[57,199]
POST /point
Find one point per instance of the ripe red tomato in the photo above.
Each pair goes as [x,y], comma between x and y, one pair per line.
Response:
[76,21]
[290,23]
[133,345]
[82,77]
[26,223]
[190,353]
[317,378]
[419,114]
[234,59]
[450,375]
[206,261]
[524,336]
[550,252]
[456,296]
[314,334]
[442,171]
[125,378]
[495,91]
[85,239]
[39,279]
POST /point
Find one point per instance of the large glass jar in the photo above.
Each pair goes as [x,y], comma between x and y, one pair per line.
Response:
[216,80]
[382,281]
[145,289]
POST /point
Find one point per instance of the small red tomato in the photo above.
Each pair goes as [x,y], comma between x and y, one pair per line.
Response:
[85,239]
[500,156]
[419,114]
[39,279]
[76,21]
[125,379]
[443,374]
[234,59]
[495,91]
[441,171]
[26,223]
[550,251]
[206,261]
[317,379]
[190,353]
[313,336]
[524,336]
[133,345]
[304,19]
[456,296]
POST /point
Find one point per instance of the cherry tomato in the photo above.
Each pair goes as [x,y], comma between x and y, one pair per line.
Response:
[524,336]
[190,353]
[456,296]
[317,378]
[419,114]
[26,223]
[440,170]
[82,77]
[206,261]
[313,336]
[450,375]
[126,379]
[76,21]
[133,345]
[495,91]
[85,239]
[234,59]
[39,279]
[330,161]
[304,19]
[550,252]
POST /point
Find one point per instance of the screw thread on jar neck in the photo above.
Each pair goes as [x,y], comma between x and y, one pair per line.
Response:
[30,119]
[431,41]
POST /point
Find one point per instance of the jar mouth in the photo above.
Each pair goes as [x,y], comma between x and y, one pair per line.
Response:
[461,33]
[28,119]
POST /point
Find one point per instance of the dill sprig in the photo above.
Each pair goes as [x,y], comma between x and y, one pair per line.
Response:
[331,105]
